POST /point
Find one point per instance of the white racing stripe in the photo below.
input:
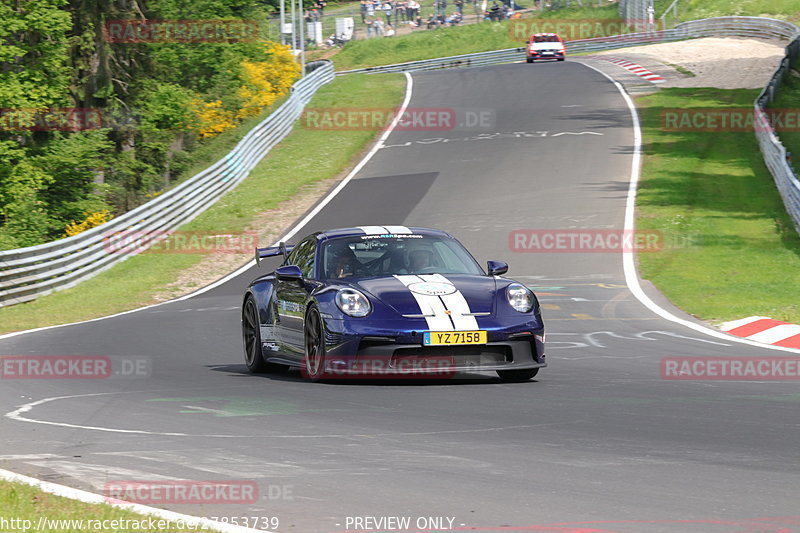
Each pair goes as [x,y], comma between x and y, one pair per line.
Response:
[382,230]
[430,306]
[399,230]
[373,230]
[456,303]
[436,308]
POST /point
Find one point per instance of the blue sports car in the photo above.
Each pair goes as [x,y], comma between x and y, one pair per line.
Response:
[389,301]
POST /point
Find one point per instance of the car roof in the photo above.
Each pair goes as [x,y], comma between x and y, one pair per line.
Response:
[380,230]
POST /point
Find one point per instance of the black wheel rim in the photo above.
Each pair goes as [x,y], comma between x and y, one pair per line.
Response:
[314,355]
[251,333]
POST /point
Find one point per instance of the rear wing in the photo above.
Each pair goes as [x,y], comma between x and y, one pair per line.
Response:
[273,251]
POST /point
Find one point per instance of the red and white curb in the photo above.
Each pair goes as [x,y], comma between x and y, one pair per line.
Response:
[636,69]
[766,330]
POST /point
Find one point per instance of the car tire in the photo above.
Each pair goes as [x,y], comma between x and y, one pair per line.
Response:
[561,59]
[529,60]
[314,341]
[251,335]
[517,375]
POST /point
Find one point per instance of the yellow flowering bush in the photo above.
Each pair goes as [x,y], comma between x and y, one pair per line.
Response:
[91,220]
[260,84]
[211,118]
[263,82]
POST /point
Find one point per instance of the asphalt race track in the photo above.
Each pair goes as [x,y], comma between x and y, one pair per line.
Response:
[598,441]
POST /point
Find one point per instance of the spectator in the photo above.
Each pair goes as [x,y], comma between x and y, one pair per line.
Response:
[459,6]
[401,12]
[378,27]
[413,10]
[370,9]
[431,23]
[321,5]
[388,11]
[363,8]
[370,24]
[495,12]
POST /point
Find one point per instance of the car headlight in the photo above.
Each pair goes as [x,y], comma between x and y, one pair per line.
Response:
[353,302]
[520,297]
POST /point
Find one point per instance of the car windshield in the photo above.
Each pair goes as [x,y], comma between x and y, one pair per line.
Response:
[366,256]
[545,39]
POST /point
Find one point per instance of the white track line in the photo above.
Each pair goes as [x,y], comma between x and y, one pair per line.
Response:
[91,498]
[628,258]
[288,235]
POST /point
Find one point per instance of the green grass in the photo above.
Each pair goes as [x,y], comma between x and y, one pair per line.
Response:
[734,250]
[700,9]
[789,99]
[21,502]
[683,70]
[429,44]
[305,156]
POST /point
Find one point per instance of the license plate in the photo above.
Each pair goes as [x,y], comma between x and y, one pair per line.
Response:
[449,338]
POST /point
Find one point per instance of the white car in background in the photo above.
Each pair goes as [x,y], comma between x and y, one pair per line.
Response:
[545,46]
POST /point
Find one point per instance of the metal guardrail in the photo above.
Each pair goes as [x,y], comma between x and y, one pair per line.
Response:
[27,273]
[758,27]
[775,155]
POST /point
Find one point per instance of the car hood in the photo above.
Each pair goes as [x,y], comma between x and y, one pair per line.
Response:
[461,294]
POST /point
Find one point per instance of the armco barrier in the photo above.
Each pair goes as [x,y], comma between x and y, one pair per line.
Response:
[759,27]
[774,153]
[26,273]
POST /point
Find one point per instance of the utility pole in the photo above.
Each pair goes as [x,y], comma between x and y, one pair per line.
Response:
[283,22]
[302,38]
[294,22]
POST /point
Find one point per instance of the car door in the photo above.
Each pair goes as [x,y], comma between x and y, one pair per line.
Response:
[290,298]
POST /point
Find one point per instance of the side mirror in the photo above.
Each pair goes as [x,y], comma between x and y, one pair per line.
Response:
[289,273]
[497,268]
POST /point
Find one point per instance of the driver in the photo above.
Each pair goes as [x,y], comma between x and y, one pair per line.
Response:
[419,260]
[344,262]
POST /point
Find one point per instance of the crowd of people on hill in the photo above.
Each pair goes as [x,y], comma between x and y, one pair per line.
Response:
[380,18]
